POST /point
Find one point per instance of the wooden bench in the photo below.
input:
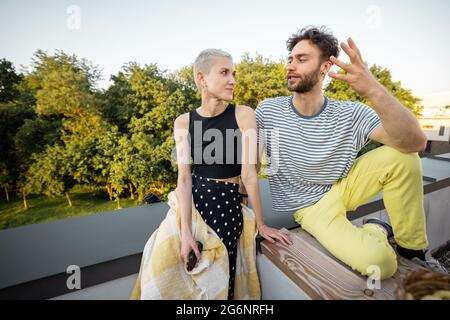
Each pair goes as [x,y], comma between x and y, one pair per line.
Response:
[321,276]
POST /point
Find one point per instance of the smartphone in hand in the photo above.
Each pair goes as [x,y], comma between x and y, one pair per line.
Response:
[192,259]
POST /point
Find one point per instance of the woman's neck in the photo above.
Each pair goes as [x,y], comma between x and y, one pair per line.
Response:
[211,107]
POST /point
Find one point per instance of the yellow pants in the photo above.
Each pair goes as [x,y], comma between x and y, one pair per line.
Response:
[399,176]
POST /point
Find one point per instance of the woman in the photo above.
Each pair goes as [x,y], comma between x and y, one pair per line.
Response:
[220,164]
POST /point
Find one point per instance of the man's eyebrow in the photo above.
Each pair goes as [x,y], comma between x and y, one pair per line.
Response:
[300,55]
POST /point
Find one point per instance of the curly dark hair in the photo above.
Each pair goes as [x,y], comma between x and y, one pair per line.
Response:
[320,36]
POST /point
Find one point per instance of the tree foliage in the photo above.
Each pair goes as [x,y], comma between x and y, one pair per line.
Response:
[59,129]
[259,78]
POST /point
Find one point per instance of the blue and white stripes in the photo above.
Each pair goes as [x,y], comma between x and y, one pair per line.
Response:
[307,155]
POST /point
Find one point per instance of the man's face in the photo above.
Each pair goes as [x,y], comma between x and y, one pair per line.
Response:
[303,69]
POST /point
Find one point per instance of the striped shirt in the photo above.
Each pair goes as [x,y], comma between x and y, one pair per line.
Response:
[307,155]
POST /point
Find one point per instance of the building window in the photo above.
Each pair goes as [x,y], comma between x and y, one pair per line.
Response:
[441,130]
[427,126]
[428,148]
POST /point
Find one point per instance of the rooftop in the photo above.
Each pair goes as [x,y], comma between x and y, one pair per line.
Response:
[108,247]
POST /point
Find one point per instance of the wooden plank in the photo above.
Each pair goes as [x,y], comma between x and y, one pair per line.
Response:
[322,276]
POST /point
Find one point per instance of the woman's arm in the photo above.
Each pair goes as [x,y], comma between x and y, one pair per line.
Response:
[184,185]
[249,177]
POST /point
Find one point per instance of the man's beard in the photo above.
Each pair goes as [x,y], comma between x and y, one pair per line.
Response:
[307,82]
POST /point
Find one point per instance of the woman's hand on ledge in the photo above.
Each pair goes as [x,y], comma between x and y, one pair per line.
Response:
[274,235]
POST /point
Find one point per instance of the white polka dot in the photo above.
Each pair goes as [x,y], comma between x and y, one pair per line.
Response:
[229,243]
[201,197]
[203,185]
[210,212]
[201,212]
[218,206]
[195,190]
[196,204]
[222,214]
[234,199]
[206,204]
[231,210]
[225,224]
[221,239]
[232,219]
[226,183]
[226,202]
[237,207]
[215,221]
[214,198]
[229,234]
[240,224]
[231,191]
[209,190]
[234,238]
[232,268]
[223,194]
[207,179]
[218,229]
[234,228]
[201,178]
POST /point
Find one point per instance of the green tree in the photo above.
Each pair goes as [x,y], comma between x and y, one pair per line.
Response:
[12,117]
[183,80]
[64,87]
[51,174]
[91,156]
[257,79]
[340,90]
[16,107]
[161,101]
[34,135]
[9,79]
[118,105]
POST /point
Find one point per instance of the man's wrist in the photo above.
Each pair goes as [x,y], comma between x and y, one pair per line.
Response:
[377,93]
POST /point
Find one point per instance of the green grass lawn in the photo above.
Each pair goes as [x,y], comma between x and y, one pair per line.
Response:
[44,209]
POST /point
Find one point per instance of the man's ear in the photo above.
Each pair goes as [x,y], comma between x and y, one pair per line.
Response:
[326,66]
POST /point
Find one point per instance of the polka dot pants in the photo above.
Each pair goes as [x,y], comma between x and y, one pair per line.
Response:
[219,204]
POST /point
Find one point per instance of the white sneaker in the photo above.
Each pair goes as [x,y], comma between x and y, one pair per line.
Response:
[430,263]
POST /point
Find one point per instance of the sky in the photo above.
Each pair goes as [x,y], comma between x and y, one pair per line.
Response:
[411,38]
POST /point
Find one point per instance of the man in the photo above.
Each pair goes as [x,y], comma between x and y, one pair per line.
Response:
[312,142]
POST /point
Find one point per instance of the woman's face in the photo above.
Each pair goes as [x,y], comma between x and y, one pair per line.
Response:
[220,81]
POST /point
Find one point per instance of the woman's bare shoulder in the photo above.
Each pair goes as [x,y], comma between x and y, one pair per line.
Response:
[245,116]
[182,121]
[244,110]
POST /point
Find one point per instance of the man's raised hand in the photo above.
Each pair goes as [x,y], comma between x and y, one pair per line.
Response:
[357,75]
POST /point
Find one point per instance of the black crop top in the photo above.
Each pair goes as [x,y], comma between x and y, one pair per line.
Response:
[215,144]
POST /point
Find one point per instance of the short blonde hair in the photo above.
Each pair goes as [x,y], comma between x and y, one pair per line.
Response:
[205,61]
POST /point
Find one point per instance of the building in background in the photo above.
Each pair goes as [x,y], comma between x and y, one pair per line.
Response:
[437,130]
